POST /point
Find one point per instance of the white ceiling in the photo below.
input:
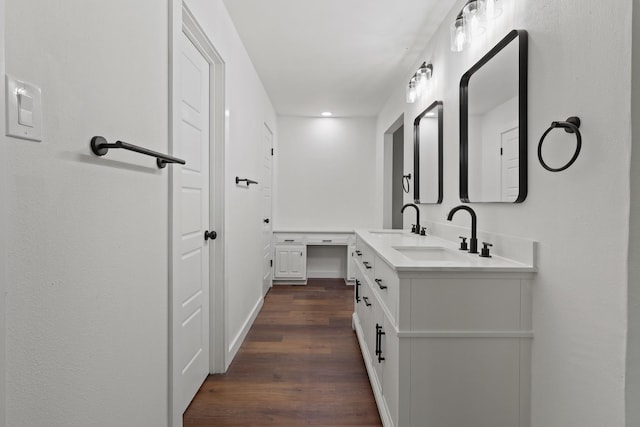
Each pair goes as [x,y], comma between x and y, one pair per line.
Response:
[344,56]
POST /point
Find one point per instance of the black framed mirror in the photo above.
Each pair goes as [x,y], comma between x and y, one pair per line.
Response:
[493,124]
[427,155]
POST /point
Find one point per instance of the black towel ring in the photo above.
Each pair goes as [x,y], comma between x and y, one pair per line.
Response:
[406,178]
[572,125]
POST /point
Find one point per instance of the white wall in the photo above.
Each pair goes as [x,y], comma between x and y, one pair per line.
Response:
[579,64]
[325,173]
[87,239]
[87,261]
[3,238]
[248,108]
[633,343]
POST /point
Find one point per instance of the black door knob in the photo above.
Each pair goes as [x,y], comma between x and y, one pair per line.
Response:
[210,235]
[266,220]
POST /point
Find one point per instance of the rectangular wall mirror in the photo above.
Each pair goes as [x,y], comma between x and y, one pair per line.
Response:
[493,124]
[427,155]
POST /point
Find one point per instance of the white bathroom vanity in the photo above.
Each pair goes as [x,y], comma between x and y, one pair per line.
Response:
[446,335]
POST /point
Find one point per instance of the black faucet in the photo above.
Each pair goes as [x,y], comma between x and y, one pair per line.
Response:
[473,242]
[417,230]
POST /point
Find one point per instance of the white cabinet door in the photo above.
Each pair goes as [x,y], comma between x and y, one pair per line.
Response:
[390,369]
[291,262]
[378,332]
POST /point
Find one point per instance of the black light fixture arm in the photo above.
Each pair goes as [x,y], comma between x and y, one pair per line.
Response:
[247,180]
[100,147]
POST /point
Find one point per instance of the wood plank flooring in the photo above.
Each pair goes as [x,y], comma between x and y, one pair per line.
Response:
[299,366]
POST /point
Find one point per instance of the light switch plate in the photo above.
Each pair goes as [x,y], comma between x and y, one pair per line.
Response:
[24,119]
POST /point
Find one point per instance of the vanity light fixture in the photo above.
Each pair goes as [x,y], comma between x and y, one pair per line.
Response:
[411,90]
[418,84]
[458,35]
[474,17]
[471,21]
[422,76]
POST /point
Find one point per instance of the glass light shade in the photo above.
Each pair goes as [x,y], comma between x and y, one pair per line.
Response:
[474,15]
[411,91]
[421,79]
[458,35]
[493,8]
[429,71]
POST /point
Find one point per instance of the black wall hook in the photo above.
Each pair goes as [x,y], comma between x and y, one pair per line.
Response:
[247,180]
[572,125]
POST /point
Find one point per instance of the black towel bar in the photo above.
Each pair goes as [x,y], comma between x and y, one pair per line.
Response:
[100,147]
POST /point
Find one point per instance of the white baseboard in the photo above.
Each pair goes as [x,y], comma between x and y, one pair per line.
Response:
[242,334]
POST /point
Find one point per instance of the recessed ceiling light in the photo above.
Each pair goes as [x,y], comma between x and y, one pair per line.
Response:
[327,114]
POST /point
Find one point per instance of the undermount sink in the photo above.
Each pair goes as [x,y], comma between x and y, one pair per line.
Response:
[387,232]
[436,253]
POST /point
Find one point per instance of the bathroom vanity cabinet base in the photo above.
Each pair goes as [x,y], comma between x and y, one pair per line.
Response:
[444,348]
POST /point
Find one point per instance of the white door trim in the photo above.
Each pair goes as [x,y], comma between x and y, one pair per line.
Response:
[269,214]
[3,228]
[216,170]
[183,21]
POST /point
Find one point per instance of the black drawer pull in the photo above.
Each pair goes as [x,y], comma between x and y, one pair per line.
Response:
[379,334]
[366,301]
[358,253]
[367,265]
[358,290]
[327,241]
[289,240]
[380,285]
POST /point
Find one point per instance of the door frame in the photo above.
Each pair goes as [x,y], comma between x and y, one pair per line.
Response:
[182,20]
[387,174]
[3,228]
[270,216]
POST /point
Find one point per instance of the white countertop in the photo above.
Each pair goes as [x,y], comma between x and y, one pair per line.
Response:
[385,242]
[316,230]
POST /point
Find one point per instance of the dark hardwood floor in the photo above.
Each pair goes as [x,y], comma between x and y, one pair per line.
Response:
[299,366]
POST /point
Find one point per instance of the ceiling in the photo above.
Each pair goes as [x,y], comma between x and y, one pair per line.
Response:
[343,56]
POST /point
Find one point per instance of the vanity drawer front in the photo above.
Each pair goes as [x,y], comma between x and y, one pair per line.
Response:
[365,257]
[328,239]
[385,282]
[289,238]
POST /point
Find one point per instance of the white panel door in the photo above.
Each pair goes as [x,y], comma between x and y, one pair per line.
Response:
[510,165]
[190,278]
[267,234]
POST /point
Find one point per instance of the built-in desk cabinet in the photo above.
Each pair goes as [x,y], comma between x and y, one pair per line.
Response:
[290,249]
[291,262]
[444,348]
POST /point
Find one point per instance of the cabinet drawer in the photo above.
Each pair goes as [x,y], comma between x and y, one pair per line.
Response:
[327,239]
[365,256]
[385,283]
[289,238]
